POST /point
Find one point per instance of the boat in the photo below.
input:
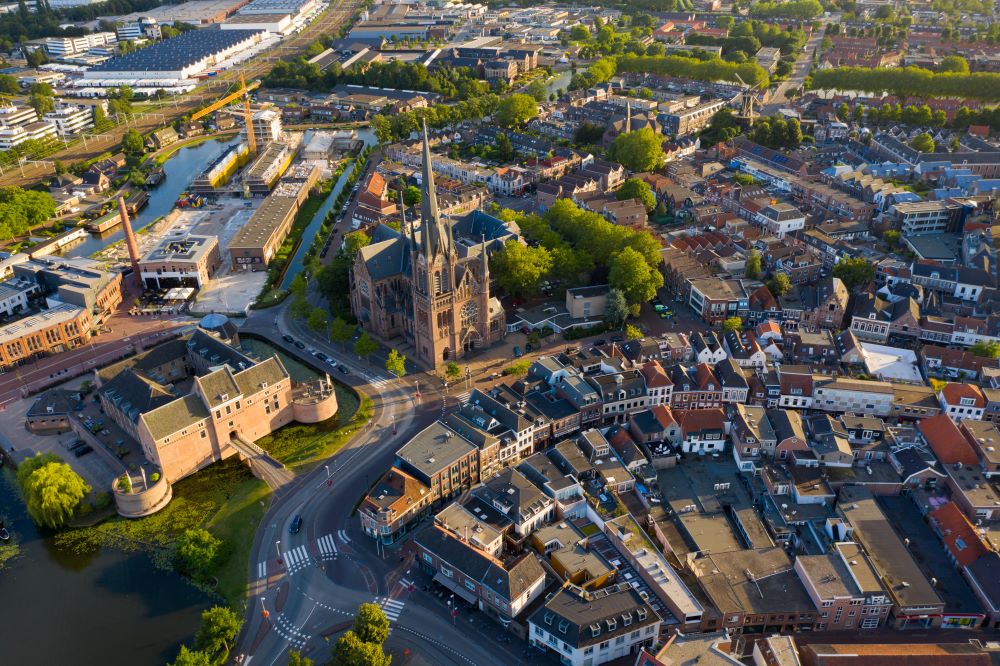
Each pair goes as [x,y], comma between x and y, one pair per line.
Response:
[4,534]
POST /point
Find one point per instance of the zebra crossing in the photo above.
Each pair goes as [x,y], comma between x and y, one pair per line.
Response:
[297,559]
[262,569]
[289,632]
[462,397]
[392,608]
[327,547]
[376,380]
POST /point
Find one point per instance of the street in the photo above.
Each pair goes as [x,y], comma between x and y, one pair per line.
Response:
[803,64]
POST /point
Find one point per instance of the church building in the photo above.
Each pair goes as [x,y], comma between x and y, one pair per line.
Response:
[429,285]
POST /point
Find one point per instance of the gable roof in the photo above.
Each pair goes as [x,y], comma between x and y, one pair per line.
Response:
[946,440]
[958,534]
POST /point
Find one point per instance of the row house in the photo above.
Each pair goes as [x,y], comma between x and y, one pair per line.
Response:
[744,349]
[845,588]
[702,430]
[752,435]
[396,502]
[621,393]
[707,348]
[441,459]
[696,387]
[735,388]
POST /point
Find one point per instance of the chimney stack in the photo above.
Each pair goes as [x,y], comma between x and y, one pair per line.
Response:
[133,249]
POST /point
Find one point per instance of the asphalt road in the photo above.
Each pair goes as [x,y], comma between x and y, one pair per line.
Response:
[329,567]
[803,64]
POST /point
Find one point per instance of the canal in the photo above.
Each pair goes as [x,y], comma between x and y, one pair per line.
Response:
[107,607]
[182,168]
[295,267]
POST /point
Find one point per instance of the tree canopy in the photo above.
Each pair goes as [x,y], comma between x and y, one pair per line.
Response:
[350,650]
[753,266]
[641,150]
[909,81]
[633,276]
[779,284]
[732,325]
[515,110]
[370,624]
[793,9]
[196,551]
[854,272]
[395,363]
[519,269]
[218,630]
[20,210]
[633,188]
[986,348]
[365,345]
[52,492]
[923,142]
[616,309]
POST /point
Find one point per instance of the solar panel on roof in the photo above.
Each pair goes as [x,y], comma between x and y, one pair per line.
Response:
[177,53]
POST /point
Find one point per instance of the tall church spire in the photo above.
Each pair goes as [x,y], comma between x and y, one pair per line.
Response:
[432,238]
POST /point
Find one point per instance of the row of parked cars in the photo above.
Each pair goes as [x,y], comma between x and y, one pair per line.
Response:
[298,344]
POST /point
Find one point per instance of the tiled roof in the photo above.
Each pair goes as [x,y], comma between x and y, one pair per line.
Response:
[954,392]
[945,439]
[959,535]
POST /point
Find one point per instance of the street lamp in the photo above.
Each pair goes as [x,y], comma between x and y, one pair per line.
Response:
[277,549]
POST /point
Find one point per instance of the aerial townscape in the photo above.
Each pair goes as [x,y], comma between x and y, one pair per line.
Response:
[423,332]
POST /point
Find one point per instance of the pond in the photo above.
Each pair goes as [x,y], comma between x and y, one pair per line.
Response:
[107,607]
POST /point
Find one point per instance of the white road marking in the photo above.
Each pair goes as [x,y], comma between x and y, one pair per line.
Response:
[392,608]
[262,569]
[296,559]
[327,547]
[342,535]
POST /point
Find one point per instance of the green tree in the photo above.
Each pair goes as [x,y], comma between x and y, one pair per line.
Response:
[317,321]
[52,493]
[412,195]
[854,272]
[779,284]
[641,150]
[219,628]
[633,188]
[396,363]
[300,307]
[632,332]
[518,368]
[843,112]
[940,118]
[295,658]
[519,269]
[630,273]
[733,324]
[42,104]
[349,650]
[452,371]
[365,345]
[986,349]
[954,63]
[891,237]
[515,110]
[196,551]
[538,90]
[132,143]
[8,85]
[188,657]
[341,331]
[744,179]
[371,625]
[32,463]
[505,149]
[753,266]
[579,33]
[616,310]
[923,142]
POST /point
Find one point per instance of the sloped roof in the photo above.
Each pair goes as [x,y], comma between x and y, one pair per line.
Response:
[946,440]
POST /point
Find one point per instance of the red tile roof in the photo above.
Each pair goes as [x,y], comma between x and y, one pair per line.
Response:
[663,414]
[656,376]
[945,439]
[953,392]
[696,420]
[958,534]
[705,378]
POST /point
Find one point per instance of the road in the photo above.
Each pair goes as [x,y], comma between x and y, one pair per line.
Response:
[328,23]
[803,64]
[310,583]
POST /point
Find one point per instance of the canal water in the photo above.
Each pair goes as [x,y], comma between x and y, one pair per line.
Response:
[182,168]
[107,607]
[295,267]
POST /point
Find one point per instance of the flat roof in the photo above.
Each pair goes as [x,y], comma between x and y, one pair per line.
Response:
[435,448]
[190,248]
[891,363]
[266,219]
[177,53]
[195,11]
[59,314]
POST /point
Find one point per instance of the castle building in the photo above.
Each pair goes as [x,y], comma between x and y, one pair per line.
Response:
[430,285]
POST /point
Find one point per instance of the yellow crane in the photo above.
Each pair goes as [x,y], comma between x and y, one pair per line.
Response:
[243,92]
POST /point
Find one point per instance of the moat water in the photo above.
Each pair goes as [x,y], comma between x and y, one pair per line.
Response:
[107,607]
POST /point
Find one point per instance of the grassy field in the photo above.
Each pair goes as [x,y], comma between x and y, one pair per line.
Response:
[161,158]
[224,498]
[301,446]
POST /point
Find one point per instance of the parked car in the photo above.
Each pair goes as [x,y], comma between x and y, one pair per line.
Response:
[321,356]
[83,450]
[517,352]
[344,369]
[299,344]
[287,338]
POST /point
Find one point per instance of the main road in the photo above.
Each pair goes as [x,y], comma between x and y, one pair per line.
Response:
[801,69]
[305,586]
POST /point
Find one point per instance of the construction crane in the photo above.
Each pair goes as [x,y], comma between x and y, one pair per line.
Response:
[747,97]
[243,92]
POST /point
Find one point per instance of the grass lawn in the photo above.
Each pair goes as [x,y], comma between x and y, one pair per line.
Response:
[224,498]
[301,446]
[160,159]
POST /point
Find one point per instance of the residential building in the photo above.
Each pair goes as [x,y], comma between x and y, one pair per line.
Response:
[852,395]
[440,458]
[962,401]
[715,299]
[845,589]
[393,506]
[70,120]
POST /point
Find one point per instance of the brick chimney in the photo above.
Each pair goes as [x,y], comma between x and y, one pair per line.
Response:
[133,248]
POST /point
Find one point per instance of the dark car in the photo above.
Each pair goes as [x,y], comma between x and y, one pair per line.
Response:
[296,525]
[600,342]
[321,356]
[287,338]
[77,444]
[300,344]
[344,369]
[83,450]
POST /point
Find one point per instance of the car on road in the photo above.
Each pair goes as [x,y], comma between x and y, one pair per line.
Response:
[321,356]
[287,338]
[517,352]
[344,369]
[83,450]
[299,344]
[295,525]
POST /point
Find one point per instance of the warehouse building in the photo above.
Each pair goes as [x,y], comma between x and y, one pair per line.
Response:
[255,244]
[182,57]
[181,262]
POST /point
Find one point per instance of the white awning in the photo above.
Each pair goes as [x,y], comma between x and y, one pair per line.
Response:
[457,589]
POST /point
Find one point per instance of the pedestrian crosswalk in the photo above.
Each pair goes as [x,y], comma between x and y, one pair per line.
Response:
[342,535]
[392,608]
[376,380]
[262,569]
[462,397]
[327,547]
[296,559]
[290,633]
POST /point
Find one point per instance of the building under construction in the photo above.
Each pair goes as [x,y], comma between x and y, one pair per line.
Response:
[219,171]
[269,166]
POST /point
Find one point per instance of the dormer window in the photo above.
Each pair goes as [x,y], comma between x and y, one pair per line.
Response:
[612,624]
[968,402]
[641,613]
[224,397]
[627,619]
[548,618]
[563,626]
[595,630]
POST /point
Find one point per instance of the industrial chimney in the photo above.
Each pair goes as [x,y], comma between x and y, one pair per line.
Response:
[133,249]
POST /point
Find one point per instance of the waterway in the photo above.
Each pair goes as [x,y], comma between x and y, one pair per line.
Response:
[295,267]
[107,607]
[182,168]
